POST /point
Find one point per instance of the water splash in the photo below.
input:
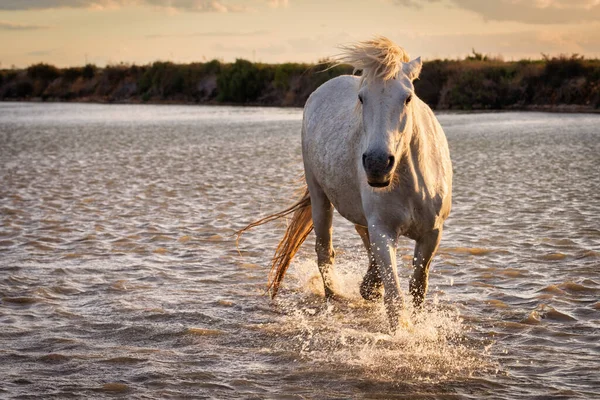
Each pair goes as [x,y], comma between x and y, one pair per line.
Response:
[430,345]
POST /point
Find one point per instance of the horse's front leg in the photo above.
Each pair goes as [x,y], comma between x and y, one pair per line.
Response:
[371,286]
[384,241]
[322,215]
[425,249]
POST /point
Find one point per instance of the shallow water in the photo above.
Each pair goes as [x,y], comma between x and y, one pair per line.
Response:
[120,275]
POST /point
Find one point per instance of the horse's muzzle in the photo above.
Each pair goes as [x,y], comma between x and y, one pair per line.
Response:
[379,184]
[379,167]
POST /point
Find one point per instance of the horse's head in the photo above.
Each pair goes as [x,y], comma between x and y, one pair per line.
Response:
[387,121]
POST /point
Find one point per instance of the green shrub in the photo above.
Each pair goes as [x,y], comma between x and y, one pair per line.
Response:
[10,75]
[432,80]
[211,67]
[89,71]
[42,71]
[116,73]
[478,82]
[163,78]
[71,74]
[475,56]
[283,74]
[239,82]
[22,89]
[559,69]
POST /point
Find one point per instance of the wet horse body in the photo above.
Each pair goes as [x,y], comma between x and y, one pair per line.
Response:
[336,167]
[376,153]
[415,204]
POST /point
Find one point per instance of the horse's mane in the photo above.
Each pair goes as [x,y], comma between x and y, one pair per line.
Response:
[378,58]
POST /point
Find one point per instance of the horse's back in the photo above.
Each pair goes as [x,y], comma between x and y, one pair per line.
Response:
[330,140]
[333,101]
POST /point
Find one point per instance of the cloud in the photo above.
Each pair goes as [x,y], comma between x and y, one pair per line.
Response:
[44,4]
[526,11]
[535,11]
[244,51]
[414,3]
[529,44]
[13,26]
[210,34]
[193,5]
[177,5]
[39,53]
[278,3]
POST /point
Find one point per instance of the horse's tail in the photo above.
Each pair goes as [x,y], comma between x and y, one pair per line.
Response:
[297,231]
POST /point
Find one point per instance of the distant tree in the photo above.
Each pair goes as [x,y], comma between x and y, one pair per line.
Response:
[212,67]
[559,69]
[116,72]
[477,56]
[70,74]
[22,90]
[283,74]
[239,82]
[89,71]
[44,72]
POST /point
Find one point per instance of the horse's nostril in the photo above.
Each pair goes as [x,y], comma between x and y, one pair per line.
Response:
[390,163]
[364,160]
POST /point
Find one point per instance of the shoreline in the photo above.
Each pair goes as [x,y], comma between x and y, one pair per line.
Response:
[558,109]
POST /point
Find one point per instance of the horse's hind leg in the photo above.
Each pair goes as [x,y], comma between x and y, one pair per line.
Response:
[371,286]
[322,215]
[424,251]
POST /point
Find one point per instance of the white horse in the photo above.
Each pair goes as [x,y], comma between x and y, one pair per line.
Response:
[377,154]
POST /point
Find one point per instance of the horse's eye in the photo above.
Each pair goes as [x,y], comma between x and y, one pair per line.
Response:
[408,99]
[360,98]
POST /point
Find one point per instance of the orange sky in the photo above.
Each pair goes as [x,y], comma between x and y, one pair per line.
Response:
[71,32]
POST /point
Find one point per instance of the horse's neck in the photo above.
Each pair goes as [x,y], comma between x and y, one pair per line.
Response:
[418,154]
[420,140]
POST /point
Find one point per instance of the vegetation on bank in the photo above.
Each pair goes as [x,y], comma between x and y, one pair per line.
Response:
[475,83]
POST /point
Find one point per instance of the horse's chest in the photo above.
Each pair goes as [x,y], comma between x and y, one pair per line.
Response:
[348,203]
[338,179]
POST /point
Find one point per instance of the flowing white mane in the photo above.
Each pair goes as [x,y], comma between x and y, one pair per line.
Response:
[379,58]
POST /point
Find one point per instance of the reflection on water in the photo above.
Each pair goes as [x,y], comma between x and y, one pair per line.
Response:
[120,274]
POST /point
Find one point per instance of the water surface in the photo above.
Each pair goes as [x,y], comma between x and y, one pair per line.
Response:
[119,274]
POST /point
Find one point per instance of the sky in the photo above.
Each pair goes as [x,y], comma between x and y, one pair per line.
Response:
[76,32]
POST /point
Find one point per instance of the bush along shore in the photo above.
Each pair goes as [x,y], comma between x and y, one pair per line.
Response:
[475,83]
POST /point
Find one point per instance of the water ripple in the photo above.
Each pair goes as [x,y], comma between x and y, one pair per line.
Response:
[120,274]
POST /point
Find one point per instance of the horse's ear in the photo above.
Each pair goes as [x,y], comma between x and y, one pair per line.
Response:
[412,69]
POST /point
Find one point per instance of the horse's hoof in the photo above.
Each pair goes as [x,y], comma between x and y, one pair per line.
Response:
[330,296]
[370,291]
